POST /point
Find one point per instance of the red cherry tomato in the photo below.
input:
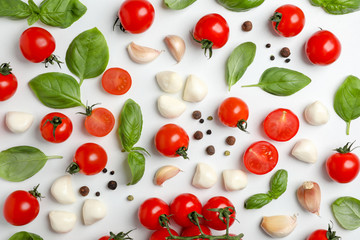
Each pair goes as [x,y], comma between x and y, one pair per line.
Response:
[212,218]
[162,234]
[56,127]
[21,207]
[234,112]
[105,238]
[116,81]
[172,141]
[195,231]
[288,20]
[212,31]
[99,121]
[136,16]
[281,125]
[8,82]
[343,166]
[261,157]
[150,211]
[182,206]
[323,48]
[322,234]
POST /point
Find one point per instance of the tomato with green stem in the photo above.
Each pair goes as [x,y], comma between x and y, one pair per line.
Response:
[260,157]
[119,236]
[161,234]
[150,211]
[216,210]
[182,206]
[8,82]
[99,121]
[116,81]
[322,234]
[288,20]
[234,112]
[195,231]
[56,127]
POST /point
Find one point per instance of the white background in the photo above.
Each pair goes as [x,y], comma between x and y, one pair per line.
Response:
[122,214]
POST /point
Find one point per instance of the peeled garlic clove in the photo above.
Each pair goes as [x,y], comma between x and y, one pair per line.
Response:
[93,210]
[62,190]
[165,173]
[169,82]
[195,89]
[61,221]
[316,114]
[234,179]
[170,107]
[141,54]
[305,150]
[18,122]
[205,176]
[309,196]
[176,45]
[279,226]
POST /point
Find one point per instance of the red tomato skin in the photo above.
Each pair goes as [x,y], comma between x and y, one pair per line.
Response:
[162,234]
[150,211]
[323,48]
[100,122]
[182,205]
[105,238]
[232,110]
[171,138]
[343,167]
[292,21]
[214,28]
[116,81]
[212,218]
[319,234]
[91,158]
[36,44]
[136,16]
[20,208]
[62,131]
[8,86]
[195,231]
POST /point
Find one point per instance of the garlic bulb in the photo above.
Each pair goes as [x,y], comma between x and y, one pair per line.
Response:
[316,114]
[170,107]
[61,221]
[169,81]
[62,190]
[305,150]
[309,196]
[93,210]
[176,46]
[141,54]
[165,173]
[205,176]
[279,226]
[195,89]
[234,179]
[18,122]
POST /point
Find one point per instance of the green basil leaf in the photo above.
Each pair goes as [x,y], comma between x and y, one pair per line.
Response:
[61,13]
[178,4]
[281,81]
[136,161]
[131,123]
[88,54]
[346,211]
[257,201]
[278,183]
[25,236]
[15,9]
[57,90]
[240,58]
[347,100]
[35,10]
[240,5]
[20,163]
[337,7]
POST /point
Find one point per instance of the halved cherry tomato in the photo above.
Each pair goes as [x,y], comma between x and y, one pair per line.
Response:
[217,219]
[288,20]
[182,206]
[260,157]
[162,234]
[116,81]
[8,82]
[195,231]
[56,127]
[234,112]
[99,121]
[150,211]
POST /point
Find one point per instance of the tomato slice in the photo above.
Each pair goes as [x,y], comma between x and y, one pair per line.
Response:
[100,122]
[116,81]
[261,157]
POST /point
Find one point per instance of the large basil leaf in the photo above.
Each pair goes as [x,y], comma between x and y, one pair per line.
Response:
[61,13]
[346,211]
[136,161]
[25,236]
[35,11]
[240,58]
[278,184]
[57,90]
[240,5]
[347,100]
[88,54]
[178,4]
[281,81]
[15,9]
[20,163]
[257,201]
[337,7]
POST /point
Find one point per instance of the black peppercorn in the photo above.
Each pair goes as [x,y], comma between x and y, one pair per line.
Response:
[230,140]
[208,132]
[112,185]
[272,57]
[84,191]
[247,26]
[196,115]
[287,60]
[210,150]
[198,135]
[104,170]
[201,120]
[112,172]
[285,52]
[268,45]
[97,194]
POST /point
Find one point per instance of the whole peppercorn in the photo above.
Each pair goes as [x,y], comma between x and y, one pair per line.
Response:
[84,191]
[208,132]
[97,194]
[112,185]
[247,26]
[112,172]
[287,60]
[196,114]
[268,45]
[198,135]
[201,120]
[210,150]
[230,140]
[104,170]
[272,57]
[285,52]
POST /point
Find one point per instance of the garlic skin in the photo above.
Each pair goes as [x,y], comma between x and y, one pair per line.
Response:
[195,89]
[62,190]
[93,211]
[176,46]
[142,54]
[316,114]
[309,196]
[170,107]
[61,221]
[165,173]
[305,150]
[205,176]
[279,226]
[169,81]
[18,122]
[234,179]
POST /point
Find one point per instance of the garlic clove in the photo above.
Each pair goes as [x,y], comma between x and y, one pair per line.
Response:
[170,107]
[309,196]
[176,46]
[169,82]
[305,150]
[165,173]
[195,89]
[316,114]
[93,211]
[234,179]
[142,54]
[279,226]
[61,221]
[205,176]
[62,190]
[18,122]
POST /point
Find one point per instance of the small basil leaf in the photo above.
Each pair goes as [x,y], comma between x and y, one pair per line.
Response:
[88,54]
[20,163]
[347,100]
[61,13]
[281,81]
[240,58]
[278,184]
[178,4]
[56,90]
[25,236]
[136,161]
[346,211]
[337,7]
[257,201]
[240,5]
[15,9]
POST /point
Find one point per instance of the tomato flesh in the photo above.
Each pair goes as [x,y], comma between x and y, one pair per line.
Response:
[100,122]
[261,157]
[116,81]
